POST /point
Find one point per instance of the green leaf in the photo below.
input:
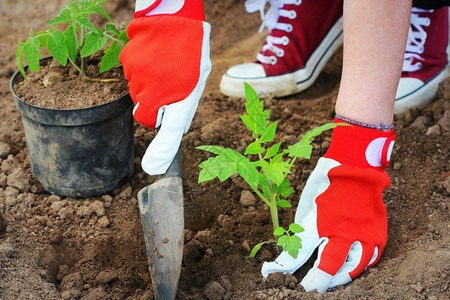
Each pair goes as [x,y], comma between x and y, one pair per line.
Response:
[278,231]
[63,17]
[282,240]
[277,158]
[212,149]
[74,8]
[250,93]
[284,189]
[248,171]
[70,39]
[295,228]
[254,148]
[297,241]
[296,245]
[19,55]
[263,182]
[276,171]
[269,133]
[302,149]
[256,118]
[272,151]
[257,247]
[43,38]
[291,249]
[111,57]
[123,36]
[217,166]
[102,12]
[32,54]
[293,245]
[226,163]
[94,42]
[85,22]
[318,130]
[256,122]
[283,203]
[111,29]
[57,47]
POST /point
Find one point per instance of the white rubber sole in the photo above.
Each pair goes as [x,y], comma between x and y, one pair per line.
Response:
[419,96]
[290,83]
[412,94]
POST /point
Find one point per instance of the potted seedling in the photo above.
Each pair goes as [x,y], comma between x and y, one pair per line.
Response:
[75,148]
[267,174]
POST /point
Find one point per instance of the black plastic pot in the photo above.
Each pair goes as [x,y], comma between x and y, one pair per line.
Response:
[79,152]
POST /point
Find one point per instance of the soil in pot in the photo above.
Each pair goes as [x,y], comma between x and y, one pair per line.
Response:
[59,87]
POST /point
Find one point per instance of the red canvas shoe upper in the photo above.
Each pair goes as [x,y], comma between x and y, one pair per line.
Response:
[296,30]
[426,53]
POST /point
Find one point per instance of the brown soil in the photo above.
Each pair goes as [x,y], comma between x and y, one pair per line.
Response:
[65,248]
[58,87]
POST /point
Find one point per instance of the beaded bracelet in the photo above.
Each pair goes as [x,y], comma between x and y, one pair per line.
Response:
[380,127]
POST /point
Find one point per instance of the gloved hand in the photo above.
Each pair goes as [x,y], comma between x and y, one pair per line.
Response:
[342,210]
[166,63]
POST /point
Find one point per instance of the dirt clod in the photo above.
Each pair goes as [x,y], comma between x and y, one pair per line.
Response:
[247,198]
[214,291]
[5,149]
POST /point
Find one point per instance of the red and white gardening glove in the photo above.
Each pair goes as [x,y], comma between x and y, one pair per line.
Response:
[342,210]
[166,63]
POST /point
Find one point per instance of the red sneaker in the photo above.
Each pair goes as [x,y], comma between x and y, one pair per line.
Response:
[303,36]
[426,59]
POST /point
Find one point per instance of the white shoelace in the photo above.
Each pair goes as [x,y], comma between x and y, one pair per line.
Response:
[416,40]
[270,20]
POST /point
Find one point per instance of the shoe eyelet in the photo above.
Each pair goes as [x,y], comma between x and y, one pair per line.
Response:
[292,14]
[428,22]
[289,28]
[298,2]
[284,40]
[273,60]
[280,53]
[421,49]
[419,65]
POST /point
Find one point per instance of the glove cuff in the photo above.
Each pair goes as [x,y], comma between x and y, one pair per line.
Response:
[360,146]
[191,9]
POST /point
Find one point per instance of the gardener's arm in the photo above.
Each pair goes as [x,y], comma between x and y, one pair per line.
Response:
[166,63]
[341,207]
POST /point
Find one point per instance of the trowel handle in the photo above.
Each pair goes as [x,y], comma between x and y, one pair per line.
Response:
[175,168]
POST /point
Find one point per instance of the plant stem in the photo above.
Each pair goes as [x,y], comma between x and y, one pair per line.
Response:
[274,214]
[83,66]
[261,196]
[74,64]
[83,60]
[114,39]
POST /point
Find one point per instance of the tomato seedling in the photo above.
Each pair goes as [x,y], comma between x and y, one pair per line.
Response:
[77,42]
[267,175]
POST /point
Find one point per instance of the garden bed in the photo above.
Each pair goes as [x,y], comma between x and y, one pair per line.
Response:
[93,248]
